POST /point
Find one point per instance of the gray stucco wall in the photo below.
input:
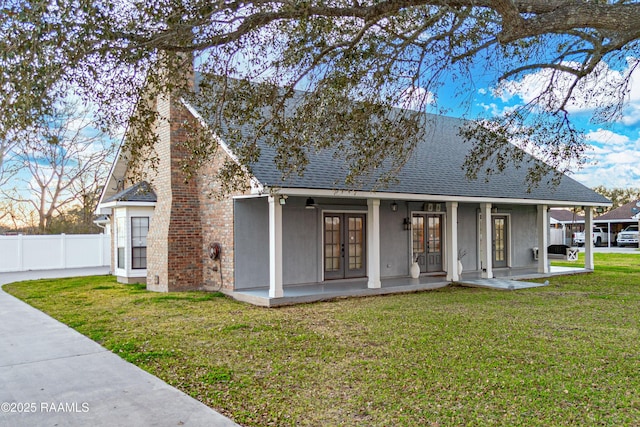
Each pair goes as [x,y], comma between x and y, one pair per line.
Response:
[251,241]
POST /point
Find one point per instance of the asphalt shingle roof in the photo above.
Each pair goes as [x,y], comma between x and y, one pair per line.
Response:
[621,213]
[434,168]
[140,192]
[565,215]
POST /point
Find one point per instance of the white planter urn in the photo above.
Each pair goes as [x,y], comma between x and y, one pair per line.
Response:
[459,268]
[414,270]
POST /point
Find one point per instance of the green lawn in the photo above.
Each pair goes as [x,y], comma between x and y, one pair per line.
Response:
[566,354]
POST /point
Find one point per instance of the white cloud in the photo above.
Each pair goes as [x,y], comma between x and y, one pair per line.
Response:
[614,161]
[495,110]
[415,98]
[596,90]
[492,108]
[613,155]
[631,113]
[607,137]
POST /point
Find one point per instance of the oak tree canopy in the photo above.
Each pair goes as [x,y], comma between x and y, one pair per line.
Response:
[355,59]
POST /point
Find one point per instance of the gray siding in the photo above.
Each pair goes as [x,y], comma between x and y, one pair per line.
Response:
[302,238]
[524,234]
[523,237]
[300,244]
[251,236]
[394,240]
[468,235]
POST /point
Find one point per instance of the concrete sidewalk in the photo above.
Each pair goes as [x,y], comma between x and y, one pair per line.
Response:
[50,375]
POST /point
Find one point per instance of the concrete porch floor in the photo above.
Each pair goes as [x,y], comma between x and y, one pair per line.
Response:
[507,278]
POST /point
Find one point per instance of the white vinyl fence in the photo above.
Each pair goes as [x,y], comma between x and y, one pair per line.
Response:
[556,237]
[47,252]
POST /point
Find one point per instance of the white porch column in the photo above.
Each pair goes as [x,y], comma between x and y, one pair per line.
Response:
[588,239]
[543,239]
[486,243]
[373,243]
[452,241]
[275,248]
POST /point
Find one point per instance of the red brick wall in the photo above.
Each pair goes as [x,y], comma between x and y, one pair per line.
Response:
[174,256]
[217,226]
[189,216]
[185,232]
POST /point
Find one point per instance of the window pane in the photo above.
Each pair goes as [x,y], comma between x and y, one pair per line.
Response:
[332,242]
[139,258]
[418,234]
[121,240]
[121,232]
[139,231]
[356,240]
[120,257]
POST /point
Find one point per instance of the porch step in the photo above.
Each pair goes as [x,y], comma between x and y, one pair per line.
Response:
[502,284]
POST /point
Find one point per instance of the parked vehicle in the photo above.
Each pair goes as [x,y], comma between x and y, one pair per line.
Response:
[628,236]
[599,237]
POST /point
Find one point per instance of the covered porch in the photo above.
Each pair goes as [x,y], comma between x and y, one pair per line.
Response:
[333,289]
[462,224]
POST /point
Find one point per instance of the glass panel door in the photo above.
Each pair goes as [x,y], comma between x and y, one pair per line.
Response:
[344,246]
[355,248]
[419,244]
[333,247]
[427,241]
[499,241]
[434,243]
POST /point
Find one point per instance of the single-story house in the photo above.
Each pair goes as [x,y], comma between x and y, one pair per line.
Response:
[620,218]
[308,234]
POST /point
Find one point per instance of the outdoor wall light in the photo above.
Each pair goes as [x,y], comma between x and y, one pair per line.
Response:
[407,224]
[283,200]
[394,207]
[311,204]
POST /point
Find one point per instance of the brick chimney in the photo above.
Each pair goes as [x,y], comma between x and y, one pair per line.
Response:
[174,242]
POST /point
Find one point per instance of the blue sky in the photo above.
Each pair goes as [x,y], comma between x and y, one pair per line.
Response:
[613,159]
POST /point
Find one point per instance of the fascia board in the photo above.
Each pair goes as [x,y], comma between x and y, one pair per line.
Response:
[309,192]
[121,204]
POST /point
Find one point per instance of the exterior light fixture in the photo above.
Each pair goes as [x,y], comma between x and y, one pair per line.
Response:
[283,200]
[311,204]
[407,224]
[394,207]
